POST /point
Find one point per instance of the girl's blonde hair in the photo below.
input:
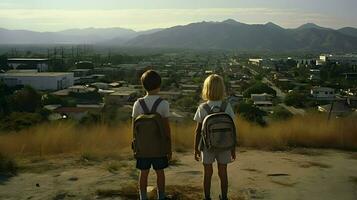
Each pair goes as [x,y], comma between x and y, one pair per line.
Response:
[213,88]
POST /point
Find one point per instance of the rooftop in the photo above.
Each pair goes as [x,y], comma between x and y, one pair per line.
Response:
[35,74]
[27,59]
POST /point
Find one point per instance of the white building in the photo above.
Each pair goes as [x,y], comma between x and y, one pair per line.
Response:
[39,81]
[40,64]
[262,100]
[323,93]
[350,59]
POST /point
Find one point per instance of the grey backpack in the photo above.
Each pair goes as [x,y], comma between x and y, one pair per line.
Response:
[149,138]
[218,129]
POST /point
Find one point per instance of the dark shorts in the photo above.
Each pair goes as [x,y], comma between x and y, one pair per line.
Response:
[156,163]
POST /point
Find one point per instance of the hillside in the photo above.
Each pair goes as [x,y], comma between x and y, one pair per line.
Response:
[231,34]
[70,36]
[227,35]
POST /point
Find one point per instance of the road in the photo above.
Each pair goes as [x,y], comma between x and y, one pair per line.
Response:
[280,94]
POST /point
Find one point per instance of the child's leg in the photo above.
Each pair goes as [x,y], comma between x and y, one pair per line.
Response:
[143,183]
[222,173]
[160,174]
[208,171]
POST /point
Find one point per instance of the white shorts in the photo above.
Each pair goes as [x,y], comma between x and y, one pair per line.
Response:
[222,157]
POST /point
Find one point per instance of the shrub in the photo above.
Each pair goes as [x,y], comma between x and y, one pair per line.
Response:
[281,113]
[26,100]
[20,120]
[295,99]
[8,166]
[251,113]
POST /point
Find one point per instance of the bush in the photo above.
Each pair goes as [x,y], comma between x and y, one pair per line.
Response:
[281,113]
[8,166]
[20,120]
[295,99]
[188,104]
[251,113]
[26,100]
[50,99]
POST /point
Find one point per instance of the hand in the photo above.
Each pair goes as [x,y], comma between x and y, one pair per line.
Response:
[233,154]
[197,155]
[169,156]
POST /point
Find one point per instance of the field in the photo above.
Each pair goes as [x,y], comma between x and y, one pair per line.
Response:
[312,131]
[285,160]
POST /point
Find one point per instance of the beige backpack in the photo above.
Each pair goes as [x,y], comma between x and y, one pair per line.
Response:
[218,130]
[149,138]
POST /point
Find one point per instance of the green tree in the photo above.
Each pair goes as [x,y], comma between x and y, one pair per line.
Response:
[26,100]
[3,62]
[50,99]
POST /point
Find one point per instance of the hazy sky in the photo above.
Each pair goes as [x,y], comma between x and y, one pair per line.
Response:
[54,15]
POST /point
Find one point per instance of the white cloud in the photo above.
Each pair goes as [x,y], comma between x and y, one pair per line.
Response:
[140,19]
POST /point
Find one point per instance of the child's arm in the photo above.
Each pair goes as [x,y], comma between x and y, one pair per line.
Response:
[168,134]
[197,141]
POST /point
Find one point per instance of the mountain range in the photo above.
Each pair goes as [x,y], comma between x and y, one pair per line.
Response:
[228,34]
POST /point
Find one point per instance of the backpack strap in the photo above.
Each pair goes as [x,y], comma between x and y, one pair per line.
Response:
[224,106]
[144,106]
[156,105]
[207,108]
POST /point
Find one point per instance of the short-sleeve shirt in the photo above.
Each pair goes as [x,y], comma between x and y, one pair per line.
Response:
[201,113]
[163,109]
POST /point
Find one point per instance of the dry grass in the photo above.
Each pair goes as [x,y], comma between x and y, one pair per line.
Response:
[308,131]
[102,140]
[59,138]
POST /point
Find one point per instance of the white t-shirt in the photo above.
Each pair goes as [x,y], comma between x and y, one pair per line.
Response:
[201,112]
[163,109]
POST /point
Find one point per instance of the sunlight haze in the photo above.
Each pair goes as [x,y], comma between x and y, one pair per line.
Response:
[52,15]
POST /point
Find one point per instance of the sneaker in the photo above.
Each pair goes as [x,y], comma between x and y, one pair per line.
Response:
[221,198]
[167,198]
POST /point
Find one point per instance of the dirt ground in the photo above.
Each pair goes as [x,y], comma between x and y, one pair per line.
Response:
[287,175]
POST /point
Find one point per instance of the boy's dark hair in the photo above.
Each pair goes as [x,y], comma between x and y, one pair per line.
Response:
[150,80]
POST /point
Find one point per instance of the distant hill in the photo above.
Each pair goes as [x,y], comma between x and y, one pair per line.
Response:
[70,36]
[231,34]
[349,31]
[228,35]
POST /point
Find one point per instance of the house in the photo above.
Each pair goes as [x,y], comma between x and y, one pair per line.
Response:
[350,59]
[264,63]
[121,97]
[338,108]
[39,81]
[262,100]
[39,64]
[81,72]
[80,89]
[314,75]
[323,93]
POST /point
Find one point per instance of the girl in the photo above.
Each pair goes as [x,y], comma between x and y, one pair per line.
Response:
[213,93]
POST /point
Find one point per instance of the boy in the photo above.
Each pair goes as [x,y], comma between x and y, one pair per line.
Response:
[151,81]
